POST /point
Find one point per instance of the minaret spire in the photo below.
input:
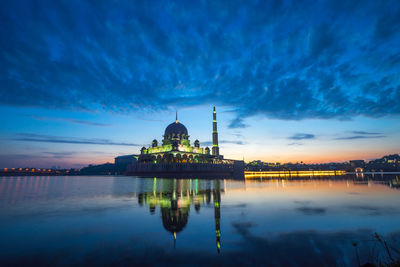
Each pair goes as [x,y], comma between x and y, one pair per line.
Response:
[215,148]
[176,117]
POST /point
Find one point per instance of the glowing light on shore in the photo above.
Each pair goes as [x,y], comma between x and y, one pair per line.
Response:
[288,174]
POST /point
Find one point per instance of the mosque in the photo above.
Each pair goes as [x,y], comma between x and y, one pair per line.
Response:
[175,155]
[176,148]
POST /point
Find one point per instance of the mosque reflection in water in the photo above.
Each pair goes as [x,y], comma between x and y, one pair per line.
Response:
[175,197]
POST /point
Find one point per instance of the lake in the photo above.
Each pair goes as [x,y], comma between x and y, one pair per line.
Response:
[119,220]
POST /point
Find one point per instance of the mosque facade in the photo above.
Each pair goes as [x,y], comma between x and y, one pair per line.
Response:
[176,155]
[176,147]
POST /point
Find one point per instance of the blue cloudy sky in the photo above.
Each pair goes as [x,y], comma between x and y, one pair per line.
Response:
[84,81]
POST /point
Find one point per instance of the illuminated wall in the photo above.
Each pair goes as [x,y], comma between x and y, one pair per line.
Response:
[168,148]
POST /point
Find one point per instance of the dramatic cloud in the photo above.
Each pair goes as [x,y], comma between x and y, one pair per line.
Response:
[59,154]
[295,144]
[361,135]
[366,133]
[288,60]
[302,136]
[353,137]
[69,120]
[237,123]
[67,140]
[209,143]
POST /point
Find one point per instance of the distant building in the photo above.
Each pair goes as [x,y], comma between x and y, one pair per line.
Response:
[126,160]
[357,163]
[387,163]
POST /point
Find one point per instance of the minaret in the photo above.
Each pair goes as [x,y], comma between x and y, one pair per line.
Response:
[215,148]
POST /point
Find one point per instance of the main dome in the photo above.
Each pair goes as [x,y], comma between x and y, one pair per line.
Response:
[175,128]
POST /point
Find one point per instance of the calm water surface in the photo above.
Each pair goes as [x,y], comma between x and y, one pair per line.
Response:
[121,220]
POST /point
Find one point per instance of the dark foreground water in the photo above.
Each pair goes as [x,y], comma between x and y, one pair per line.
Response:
[106,220]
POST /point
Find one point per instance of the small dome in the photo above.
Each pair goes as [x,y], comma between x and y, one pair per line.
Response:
[197,143]
[154,143]
[175,128]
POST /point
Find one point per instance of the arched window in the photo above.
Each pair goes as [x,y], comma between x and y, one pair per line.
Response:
[178,158]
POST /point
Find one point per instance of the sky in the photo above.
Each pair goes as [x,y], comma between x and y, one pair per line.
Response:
[84,81]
